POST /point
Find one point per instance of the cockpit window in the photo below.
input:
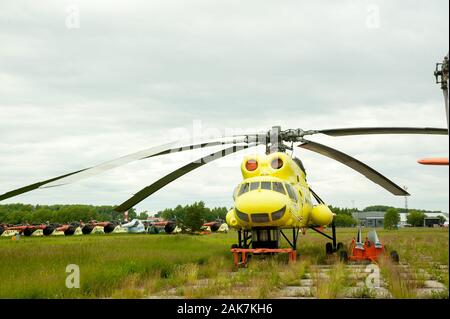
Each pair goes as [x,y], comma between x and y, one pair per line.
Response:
[266,185]
[244,189]
[242,215]
[278,187]
[291,192]
[236,191]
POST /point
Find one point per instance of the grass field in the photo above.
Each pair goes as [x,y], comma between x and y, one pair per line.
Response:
[189,266]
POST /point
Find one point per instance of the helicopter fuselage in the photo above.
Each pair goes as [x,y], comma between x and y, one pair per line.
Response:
[274,193]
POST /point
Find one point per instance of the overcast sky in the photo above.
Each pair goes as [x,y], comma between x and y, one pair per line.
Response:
[83,82]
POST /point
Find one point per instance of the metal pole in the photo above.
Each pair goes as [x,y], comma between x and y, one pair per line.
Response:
[240,238]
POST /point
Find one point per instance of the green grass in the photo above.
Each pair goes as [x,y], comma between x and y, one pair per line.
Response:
[35,267]
[139,266]
[333,286]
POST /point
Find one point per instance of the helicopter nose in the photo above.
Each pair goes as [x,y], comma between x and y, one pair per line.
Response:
[260,204]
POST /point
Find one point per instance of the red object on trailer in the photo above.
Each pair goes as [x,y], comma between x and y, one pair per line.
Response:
[368,251]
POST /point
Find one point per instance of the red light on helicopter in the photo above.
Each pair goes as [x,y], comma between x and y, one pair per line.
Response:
[251,165]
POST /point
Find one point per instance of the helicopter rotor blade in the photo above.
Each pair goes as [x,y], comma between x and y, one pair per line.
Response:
[383,130]
[34,186]
[149,190]
[172,147]
[358,166]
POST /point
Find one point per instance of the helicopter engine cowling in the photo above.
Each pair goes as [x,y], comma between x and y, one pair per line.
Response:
[28,231]
[231,218]
[321,215]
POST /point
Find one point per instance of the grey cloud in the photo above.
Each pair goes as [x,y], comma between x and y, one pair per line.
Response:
[71,98]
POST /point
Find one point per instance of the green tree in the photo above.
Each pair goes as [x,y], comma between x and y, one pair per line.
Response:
[143,215]
[415,218]
[344,220]
[190,217]
[217,213]
[194,217]
[172,213]
[391,218]
[42,215]
[377,208]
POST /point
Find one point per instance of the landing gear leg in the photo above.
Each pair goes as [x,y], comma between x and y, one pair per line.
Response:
[333,230]
[293,244]
[294,238]
[240,238]
[244,239]
[334,246]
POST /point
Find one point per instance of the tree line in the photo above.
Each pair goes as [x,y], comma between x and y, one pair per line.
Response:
[193,214]
[39,214]
[384,208]
[344,216]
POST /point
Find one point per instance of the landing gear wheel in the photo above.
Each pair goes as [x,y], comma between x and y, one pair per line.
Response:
[47,231]
[69,232]
[340,246]
[343,256]
[28,232]
[329,248]
[395,257]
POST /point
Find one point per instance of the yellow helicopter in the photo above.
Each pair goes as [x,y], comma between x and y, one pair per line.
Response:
[274,194]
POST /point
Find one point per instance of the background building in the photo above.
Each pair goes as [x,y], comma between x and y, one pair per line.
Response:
[370,219]
[376,218]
